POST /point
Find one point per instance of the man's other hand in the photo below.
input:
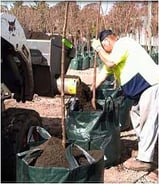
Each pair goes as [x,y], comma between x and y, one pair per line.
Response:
[96,44]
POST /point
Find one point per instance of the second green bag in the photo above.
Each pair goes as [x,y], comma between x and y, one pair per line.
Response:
[96,130]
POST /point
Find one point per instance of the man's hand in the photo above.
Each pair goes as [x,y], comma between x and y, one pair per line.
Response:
[93,100]
[96,44]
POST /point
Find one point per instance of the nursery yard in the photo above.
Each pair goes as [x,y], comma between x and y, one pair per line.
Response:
[50,112]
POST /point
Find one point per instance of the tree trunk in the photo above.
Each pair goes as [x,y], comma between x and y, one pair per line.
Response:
[149,25]
[62,79]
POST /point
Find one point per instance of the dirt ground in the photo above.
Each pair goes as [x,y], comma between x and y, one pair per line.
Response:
[50,111]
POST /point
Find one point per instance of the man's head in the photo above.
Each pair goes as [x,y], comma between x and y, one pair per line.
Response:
[107,39]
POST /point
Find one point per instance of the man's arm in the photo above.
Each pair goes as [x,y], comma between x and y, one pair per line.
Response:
[104,56]
[101,77]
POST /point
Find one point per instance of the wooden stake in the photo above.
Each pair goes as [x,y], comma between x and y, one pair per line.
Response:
[95,61]
[62,79]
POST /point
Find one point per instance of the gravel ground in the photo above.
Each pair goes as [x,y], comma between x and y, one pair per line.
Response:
[50,111]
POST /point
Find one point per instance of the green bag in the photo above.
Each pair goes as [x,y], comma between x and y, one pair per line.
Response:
[124,113]
[91,55]
[76,63]
[121,102]
[96,130]
[86,62]
[91,172]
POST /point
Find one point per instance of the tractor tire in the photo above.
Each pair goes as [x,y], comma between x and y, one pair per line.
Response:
[15,123]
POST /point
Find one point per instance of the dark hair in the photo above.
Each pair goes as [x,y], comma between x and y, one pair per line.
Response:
[103,34]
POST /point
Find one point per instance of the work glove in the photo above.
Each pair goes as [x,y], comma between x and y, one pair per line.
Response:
[96,44]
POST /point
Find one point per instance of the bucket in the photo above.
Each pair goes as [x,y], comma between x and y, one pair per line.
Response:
[71,83]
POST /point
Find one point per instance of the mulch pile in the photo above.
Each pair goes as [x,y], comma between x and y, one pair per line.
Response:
[54,154]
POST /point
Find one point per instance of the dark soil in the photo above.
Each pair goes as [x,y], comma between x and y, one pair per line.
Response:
[54,155]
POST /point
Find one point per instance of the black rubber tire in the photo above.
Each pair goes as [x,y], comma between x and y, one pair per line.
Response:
[15,123]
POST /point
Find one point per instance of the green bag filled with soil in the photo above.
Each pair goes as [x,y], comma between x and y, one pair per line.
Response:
[51,163]
[96,130]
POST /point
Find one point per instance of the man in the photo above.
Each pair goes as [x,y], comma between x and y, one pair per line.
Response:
[138,76]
